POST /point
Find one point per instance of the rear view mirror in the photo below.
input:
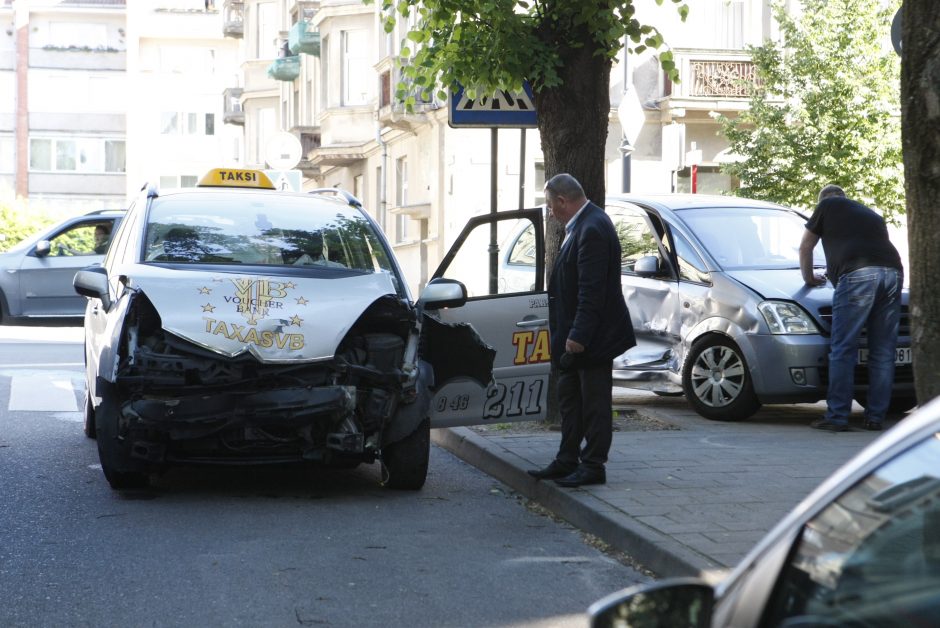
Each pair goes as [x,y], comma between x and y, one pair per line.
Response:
[92,282]
[441,293]
[646,266]
[679,602]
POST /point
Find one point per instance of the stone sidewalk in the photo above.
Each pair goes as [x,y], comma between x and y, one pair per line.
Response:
[684,495]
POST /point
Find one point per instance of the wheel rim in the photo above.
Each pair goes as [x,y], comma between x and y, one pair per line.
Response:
[718,376]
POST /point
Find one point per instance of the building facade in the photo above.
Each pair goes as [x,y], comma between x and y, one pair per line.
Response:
[421,178]
[63,122]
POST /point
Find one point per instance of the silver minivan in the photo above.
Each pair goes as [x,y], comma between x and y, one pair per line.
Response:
[719,307]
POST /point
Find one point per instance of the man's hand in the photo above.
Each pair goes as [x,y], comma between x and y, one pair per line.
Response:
[573,347]
[816,280]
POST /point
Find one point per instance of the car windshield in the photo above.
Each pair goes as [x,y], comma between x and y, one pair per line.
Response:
[750,237]
[248,229]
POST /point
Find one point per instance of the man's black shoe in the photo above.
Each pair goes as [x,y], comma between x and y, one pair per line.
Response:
[871,426]
[829,426]
[582,476]
[553,471]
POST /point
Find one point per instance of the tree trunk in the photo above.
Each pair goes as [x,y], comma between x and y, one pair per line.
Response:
[573,123]
[920,133]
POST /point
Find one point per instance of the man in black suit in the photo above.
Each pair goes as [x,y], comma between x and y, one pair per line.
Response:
[589,326]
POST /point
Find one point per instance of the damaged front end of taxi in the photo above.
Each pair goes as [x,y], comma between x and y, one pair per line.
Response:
[174,400]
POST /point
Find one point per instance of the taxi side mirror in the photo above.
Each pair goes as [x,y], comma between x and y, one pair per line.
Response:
[43,248]
[441,292]
[92,282]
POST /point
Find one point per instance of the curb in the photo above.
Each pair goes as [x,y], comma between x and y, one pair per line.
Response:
[658,552]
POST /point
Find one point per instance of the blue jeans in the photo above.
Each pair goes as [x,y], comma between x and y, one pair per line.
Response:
[865,298]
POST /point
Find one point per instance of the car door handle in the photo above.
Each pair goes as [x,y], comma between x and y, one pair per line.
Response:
[533,322]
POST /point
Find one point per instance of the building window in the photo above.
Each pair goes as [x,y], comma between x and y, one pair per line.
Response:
[358,188]
[401,198]
[266,125]
[267,44]
[178,181]
[325,71]
[6,154]
[187,123]
[83,154]
[356,73]
[538,187]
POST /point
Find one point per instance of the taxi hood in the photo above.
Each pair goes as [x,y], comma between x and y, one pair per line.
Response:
[275,318]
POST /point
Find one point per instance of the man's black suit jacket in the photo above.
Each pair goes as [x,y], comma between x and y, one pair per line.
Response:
[585,300]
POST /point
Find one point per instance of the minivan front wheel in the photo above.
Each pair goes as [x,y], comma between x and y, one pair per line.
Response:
[717,382]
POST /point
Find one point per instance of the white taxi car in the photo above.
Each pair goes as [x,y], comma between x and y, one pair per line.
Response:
[233,323]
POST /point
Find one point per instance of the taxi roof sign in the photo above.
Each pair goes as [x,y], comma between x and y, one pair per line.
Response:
[235,178]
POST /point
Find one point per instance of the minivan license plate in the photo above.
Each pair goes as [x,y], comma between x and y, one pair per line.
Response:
[901,356]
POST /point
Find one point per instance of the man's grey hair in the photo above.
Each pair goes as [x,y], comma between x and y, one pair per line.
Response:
[564,185]
[830,190]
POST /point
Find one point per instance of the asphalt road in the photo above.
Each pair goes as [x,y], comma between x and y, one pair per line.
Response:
[260,546]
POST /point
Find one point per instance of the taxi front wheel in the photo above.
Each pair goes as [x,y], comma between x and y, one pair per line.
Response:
[116,462]
[405,463]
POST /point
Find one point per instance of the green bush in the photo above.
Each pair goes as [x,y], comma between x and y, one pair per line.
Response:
[18,222]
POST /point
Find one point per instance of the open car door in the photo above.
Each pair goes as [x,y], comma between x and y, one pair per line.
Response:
[500,258]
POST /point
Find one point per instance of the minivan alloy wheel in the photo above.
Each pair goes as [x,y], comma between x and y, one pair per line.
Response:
[717,381]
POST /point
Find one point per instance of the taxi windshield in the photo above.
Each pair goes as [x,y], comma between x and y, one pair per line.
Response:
[253,229]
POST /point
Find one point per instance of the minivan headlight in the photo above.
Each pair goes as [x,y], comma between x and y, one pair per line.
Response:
[784,317]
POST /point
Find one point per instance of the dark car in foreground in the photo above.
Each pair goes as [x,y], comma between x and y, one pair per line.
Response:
[36,273]
[862,550]
[235,324]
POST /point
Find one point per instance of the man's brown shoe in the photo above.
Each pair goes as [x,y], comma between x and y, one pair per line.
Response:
[582,477]
[553,471]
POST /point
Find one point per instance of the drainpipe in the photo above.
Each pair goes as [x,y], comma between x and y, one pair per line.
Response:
[383,203]
[21,28]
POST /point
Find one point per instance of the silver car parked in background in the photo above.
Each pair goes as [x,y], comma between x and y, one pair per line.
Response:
[36,274]
[719,306]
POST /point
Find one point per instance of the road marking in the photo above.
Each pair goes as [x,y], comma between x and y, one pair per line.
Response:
[44,392]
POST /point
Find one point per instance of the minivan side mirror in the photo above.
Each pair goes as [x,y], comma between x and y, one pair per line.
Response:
[43,248]
[646,266]
[674,602]
[442,292]
[92,282]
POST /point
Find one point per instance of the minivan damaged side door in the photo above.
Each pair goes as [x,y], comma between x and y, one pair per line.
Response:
[508,312]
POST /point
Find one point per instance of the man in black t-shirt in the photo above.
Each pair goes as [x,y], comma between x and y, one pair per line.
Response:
[867,274]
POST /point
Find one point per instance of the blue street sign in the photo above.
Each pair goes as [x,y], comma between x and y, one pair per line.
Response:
[501,110]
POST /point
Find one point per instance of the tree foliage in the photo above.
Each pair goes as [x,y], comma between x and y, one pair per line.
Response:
[826,109]
[489,45]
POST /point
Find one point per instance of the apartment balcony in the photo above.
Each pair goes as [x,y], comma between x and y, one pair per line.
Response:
[284,68]
[304,38]
[310,141]
[233,18]
[709,80]
[392,110]
[232,112]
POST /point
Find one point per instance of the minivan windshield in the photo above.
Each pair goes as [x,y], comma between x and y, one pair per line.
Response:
[750,237]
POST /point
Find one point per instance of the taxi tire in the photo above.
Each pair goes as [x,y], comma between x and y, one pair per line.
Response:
[89,412]
[405,462]
[719,352]
[116,463]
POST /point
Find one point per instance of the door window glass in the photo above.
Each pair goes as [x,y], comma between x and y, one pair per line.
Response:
[513,268]
[872,557]
[81,240]
[636,237]
[691,266]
